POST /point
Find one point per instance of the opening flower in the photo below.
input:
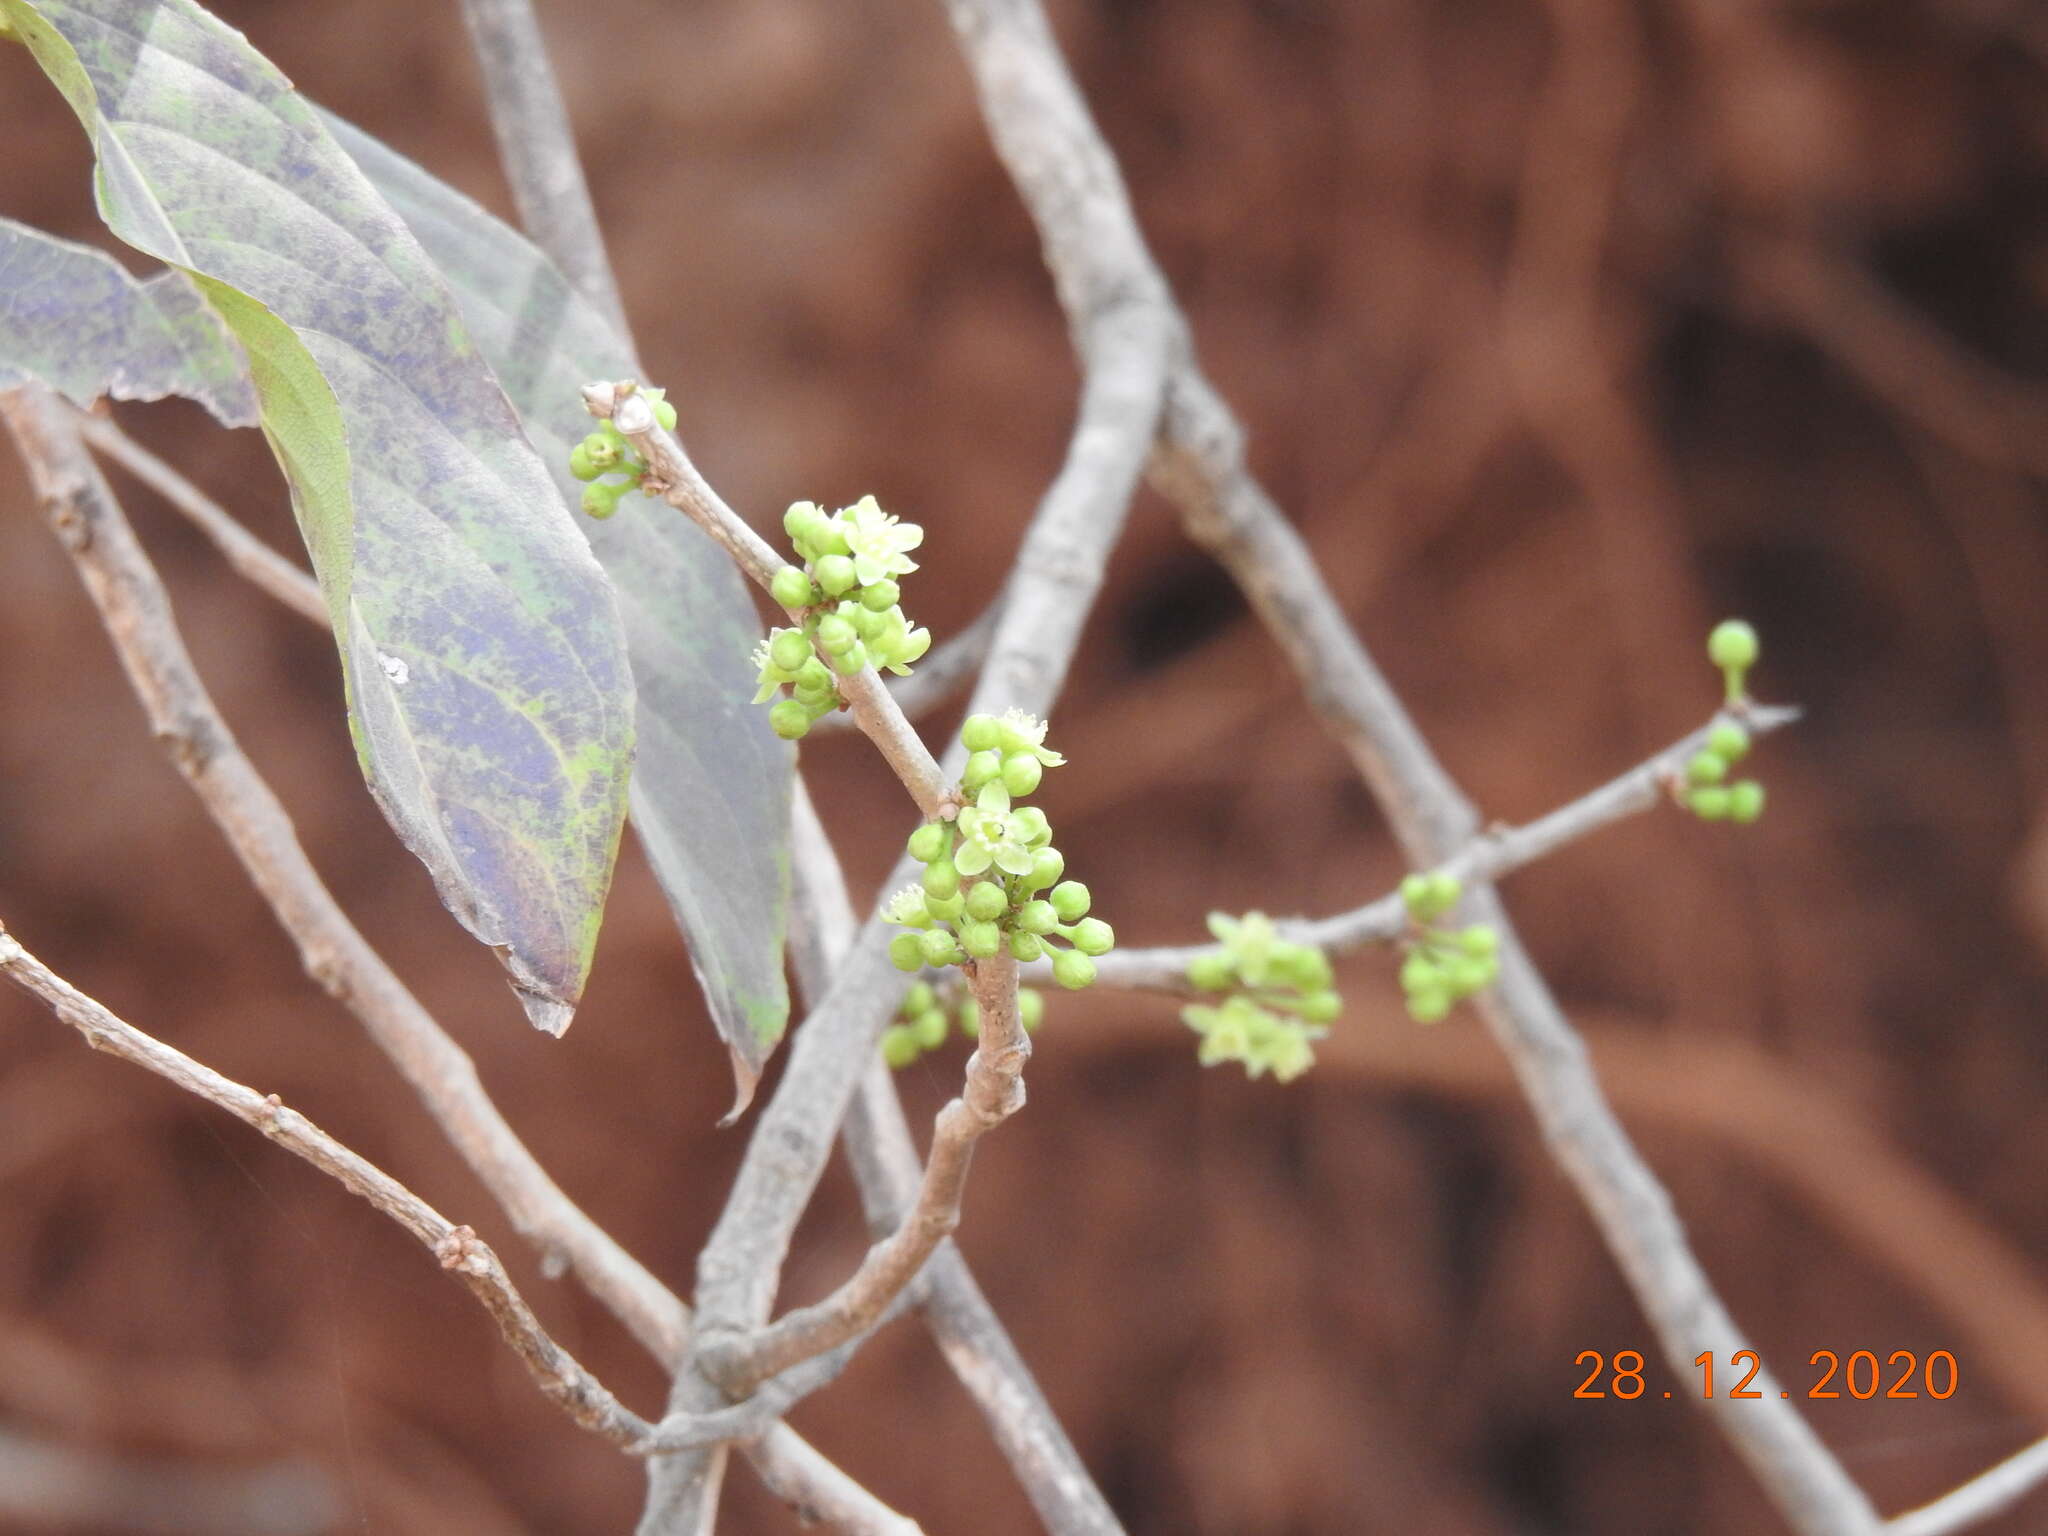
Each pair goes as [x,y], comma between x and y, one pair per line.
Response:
[1026,733]
[878,542]
[992,834]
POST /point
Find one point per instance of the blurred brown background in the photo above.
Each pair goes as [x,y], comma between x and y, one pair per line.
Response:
[1561,330]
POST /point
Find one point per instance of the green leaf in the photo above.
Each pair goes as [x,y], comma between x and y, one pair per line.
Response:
[481,645]
[73,318]
[712,785]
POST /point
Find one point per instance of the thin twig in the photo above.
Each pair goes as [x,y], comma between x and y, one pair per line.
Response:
[944,669]
[672,477]
[538,150]
[1494,854]
[558,1375]
[1200,465]
[994,1091]
[1989,1493]
[137,614]
[248,555]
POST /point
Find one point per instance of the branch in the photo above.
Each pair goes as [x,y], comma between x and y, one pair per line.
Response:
[672,477]
[539,151]
[558,1375]
[944,668]
[1200,466]
[1498,852]
[125,588]
[994,1091]
[248,555]
[1988,1493]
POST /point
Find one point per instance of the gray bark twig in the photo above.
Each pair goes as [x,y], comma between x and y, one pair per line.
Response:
[1493,855]
[457,1248]
[1989,1493]
[248,555]
[538,149]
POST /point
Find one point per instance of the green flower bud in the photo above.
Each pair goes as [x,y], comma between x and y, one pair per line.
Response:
[987,901]
[1030,1008]
[981,768]
[981,940]
[789,720]
[1211,971]
[814,677]
[1745,801]
[603,448]
[1021,773]
[940,879]
[581,464]
[872,628]
[851,660]
[981,733]
[1467,974]
[834,574]
[792,588]
[798,518]
[1420,973]
[789,650]
[946,908]
[1428,1005]
[1706,768]
[930,1028]
[1444,891]
[1092,936]
[664,413]
[930,842]
[1072,969]
[601,498]
[906,952]
[882,597]
[1070,900]
[918,997]
[1733,646]
[1480,940]
[1037,917]
[1710,803]
[1728,741]
[1047,865]
[836,636]
[1026,946]
[899,1046]
[1320,1007]
[939,947]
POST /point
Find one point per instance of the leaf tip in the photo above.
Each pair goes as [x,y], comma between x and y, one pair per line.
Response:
[745,1078]
[549,1015]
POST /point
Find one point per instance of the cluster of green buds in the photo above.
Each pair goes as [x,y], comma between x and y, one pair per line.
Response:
[983,872]
[920,1024]
[847,605]
[604,454]
[1442,966]
[1708,794]
[1707,790]
[1279,998]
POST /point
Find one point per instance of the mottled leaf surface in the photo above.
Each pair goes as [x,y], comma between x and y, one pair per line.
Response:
[711,788]
[73,318]
[481,645]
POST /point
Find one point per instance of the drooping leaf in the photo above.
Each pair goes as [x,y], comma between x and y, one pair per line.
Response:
[712,784]
[481,646]
[73,318]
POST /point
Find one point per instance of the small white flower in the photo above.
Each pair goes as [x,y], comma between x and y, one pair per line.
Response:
[1026,733]
[878,542]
